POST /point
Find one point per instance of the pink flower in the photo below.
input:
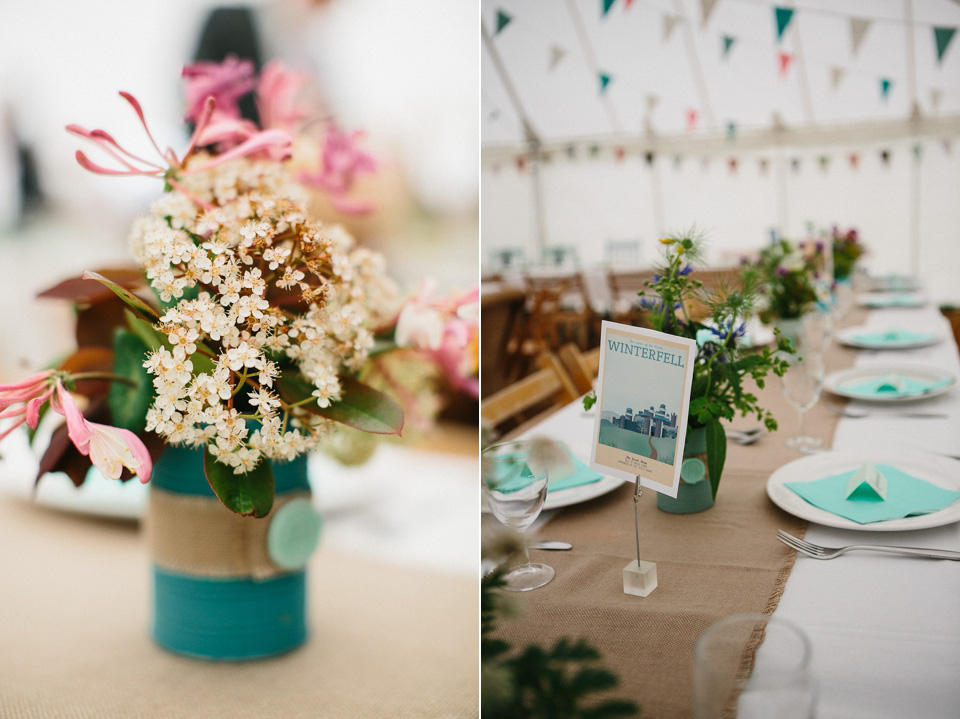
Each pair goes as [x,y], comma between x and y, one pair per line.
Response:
[109,448]
[226,82]
[341,161]
[211,128]
[21,401]
[446,330]
[277,97]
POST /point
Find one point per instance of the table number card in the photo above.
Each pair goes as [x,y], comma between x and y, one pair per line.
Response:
[643,396]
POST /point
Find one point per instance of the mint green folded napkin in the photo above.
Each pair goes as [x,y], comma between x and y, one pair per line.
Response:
[893,386]
[906,496]
[892,337]
[900,300]
[581,474]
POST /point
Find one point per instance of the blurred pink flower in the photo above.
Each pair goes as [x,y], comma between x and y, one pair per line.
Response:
[226,82]
[209,130]
[109,448]
[446,331]
[277,97]
[21,401]
[341,161]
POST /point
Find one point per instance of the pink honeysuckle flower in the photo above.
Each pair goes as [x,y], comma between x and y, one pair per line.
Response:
[277,141]
[341,161]
[109,448]
[277,97]
[21,401]
[226,82]
[445,330]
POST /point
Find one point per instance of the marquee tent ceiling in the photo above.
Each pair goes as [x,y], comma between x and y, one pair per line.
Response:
[701,71]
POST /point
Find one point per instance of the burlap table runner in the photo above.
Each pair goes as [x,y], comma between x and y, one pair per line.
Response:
[710,565]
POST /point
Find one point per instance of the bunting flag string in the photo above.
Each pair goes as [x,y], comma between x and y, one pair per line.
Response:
[557,54]
[858,28]
[836,76]
[885,85]
[732,163]
[783,16]
[669,23]
[854,161]
[706,9]
[502,21]
[785,58]
[885,157]
[728,41]
[942,36]
[619,153]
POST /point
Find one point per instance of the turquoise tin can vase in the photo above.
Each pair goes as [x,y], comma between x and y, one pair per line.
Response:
[226,587]
[694,493]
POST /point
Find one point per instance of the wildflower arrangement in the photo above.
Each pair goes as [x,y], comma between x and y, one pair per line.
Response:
[787,276]
[722,365]
[847,249]
[250,330]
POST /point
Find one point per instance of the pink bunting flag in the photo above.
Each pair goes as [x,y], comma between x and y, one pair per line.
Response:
[691,119]
[785,59]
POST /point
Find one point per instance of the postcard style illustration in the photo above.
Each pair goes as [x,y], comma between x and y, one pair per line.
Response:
[643,396]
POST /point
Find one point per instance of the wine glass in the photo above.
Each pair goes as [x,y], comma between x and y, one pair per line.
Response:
[816,329]
[779,683]
[515,494]
[801,385]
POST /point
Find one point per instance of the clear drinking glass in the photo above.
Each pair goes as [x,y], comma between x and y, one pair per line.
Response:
[730,680]
[515,496]
[816,329]
[802,384]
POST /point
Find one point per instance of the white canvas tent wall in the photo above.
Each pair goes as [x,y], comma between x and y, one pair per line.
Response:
[612,119]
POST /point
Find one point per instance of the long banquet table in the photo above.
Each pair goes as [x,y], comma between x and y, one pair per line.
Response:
[885,630]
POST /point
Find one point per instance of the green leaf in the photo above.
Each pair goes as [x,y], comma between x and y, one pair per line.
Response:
[129,401]
[360,405]
[123,293]
[148,334]
[716,453]
[250,494]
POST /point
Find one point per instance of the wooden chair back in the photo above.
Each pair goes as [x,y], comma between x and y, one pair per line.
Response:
[581,367]
[529,400]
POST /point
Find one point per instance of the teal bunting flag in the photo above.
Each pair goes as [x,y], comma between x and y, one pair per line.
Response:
[604,81]
[917,151]
[727,44]
[885,85]
[731,131]
[607,4]
[943,36]
[502,21]
[783,15]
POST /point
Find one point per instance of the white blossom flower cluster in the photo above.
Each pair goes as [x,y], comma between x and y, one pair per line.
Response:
[254,291]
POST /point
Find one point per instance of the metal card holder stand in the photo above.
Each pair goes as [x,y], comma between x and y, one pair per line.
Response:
[639,577]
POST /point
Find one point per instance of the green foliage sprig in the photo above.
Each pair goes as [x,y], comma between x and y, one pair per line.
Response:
[787,281]
[540,683]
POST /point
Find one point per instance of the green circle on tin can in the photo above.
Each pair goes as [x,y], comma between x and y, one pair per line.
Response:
[693,470]
[293,534]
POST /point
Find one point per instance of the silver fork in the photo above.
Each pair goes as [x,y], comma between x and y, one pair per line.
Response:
[818,552]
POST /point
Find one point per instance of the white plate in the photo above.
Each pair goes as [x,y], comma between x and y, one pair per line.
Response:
[847,336]
[881,301]
[936,469]
[575,495]
[833,382]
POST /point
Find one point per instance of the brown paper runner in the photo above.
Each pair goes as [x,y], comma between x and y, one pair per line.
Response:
[710,565]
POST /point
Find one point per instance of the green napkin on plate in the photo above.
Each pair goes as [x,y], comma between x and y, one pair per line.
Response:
[892,337]
[906,496]
[900,300]
[894,386]
[576,475]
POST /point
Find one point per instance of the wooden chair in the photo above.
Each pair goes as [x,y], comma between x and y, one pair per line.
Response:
[528,401]
[581,367]
[502,316]
[624,303]
[561,310]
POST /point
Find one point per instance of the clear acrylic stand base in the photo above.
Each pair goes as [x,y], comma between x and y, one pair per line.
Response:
[639,578]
